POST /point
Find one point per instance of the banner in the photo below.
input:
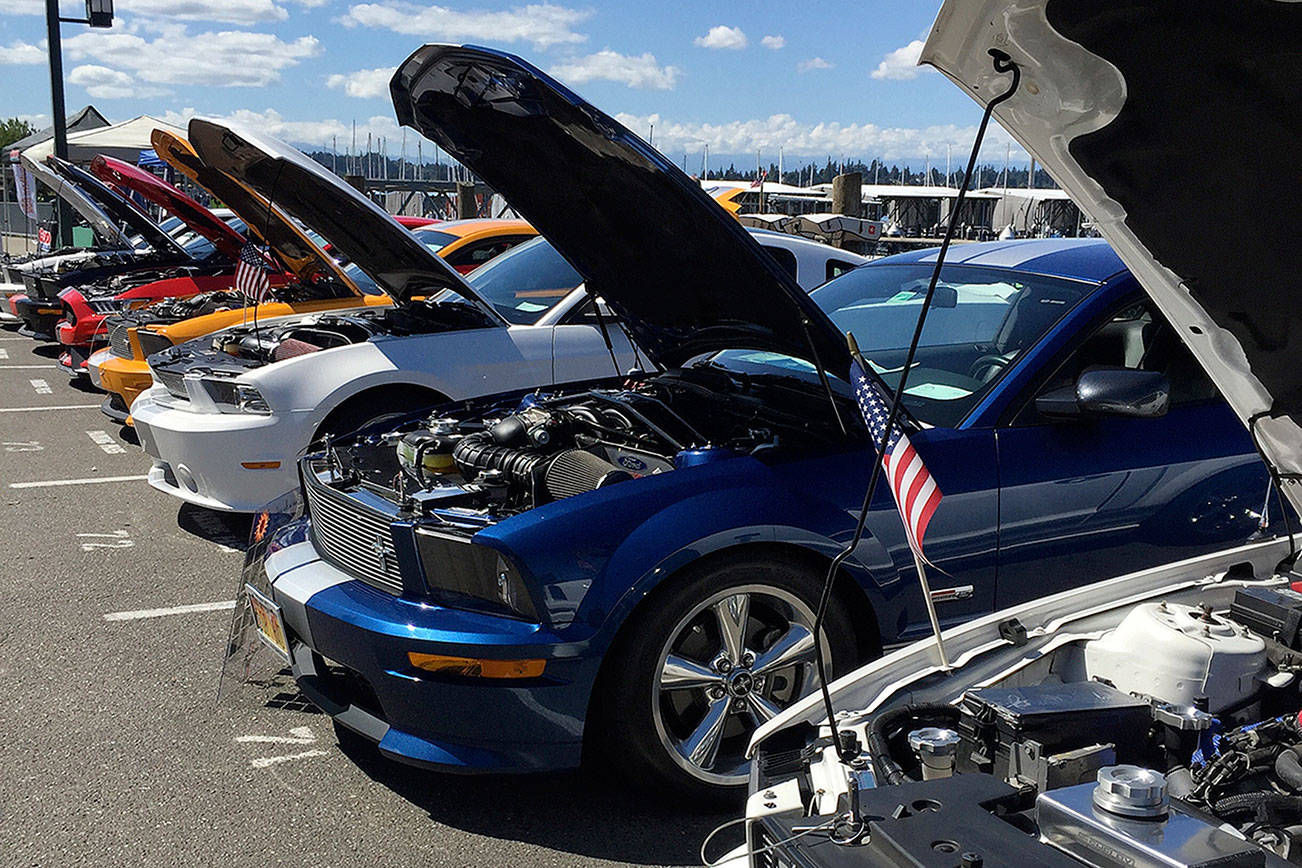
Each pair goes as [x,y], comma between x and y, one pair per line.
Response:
[25,184]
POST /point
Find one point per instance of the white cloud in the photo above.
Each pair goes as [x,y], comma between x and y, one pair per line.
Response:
[225,11]
[640,72]
[543,25]
[723,36]
[309,134]
[816,140]
[101,82]
[21,53]
[901,64]
[774,42]
[364,83]
[813,63]
[227,58]
[23,7]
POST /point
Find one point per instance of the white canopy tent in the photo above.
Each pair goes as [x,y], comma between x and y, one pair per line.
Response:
[124,141]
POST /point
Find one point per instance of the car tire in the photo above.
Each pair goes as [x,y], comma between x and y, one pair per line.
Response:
[671,713]
[364,410]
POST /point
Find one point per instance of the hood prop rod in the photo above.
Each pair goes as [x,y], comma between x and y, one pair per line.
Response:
[845,748]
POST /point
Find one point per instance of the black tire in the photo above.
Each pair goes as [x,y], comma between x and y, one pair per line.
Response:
[368,408]
[646,729]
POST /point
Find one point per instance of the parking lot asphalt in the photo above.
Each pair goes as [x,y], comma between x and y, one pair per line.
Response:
[114,746]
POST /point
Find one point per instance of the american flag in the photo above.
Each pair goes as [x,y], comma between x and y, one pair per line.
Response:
[251,274]
[916,492]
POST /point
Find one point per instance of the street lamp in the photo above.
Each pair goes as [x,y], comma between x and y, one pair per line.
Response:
[99,13]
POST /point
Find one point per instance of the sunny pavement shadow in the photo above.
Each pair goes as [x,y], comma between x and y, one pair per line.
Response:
[584,812]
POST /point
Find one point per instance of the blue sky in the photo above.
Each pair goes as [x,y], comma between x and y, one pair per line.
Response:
[818,79]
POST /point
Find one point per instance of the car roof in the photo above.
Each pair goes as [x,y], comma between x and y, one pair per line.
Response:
[482,226]
[1090,259]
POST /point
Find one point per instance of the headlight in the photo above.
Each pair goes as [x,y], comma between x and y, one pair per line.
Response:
[469,576]
[231,397]
[152,342]
[108,305]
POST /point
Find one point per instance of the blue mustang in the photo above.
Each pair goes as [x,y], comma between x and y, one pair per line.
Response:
[634,565]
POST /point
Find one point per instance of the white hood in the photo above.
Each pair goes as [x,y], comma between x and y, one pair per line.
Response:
[1175,126]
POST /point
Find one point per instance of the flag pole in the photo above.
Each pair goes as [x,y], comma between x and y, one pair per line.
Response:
[931,609]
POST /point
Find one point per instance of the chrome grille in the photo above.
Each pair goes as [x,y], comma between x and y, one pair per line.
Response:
[119,342]
[353,537]
[173,382]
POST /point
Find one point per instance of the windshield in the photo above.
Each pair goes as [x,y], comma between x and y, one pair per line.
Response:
[996,315]
[523,283]
[433,239]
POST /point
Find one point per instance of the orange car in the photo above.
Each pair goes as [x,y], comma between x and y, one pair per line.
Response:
[322,285]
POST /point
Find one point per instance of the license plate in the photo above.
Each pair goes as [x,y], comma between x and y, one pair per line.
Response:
[270,624]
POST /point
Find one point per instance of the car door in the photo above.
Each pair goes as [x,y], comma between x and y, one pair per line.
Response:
[1093,497]
[580,351]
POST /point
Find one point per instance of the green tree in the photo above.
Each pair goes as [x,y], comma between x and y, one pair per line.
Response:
[13,129]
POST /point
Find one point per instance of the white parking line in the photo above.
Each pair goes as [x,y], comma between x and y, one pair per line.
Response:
[105,442]
[297,735]
[92,480]
[225,605]
[264,761]
[59,407]
[4,354]
[27,367]
[41,387]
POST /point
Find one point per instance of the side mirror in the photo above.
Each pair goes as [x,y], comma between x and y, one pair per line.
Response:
[945,296]
[1109,392]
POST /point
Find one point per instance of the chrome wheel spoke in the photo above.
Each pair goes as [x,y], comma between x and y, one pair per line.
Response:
[760,709]
[733,613]
[679,673]
[794,646]
[702,746]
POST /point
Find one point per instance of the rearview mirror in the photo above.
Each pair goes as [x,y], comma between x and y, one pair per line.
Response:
[945,296]
[1109,392]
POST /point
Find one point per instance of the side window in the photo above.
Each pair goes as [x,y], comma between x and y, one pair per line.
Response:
[586,314]
[1135,336]
[836,268]
[472,256]
[785,258]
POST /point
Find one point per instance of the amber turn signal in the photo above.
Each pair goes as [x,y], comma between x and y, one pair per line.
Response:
[260,465]
[474,667]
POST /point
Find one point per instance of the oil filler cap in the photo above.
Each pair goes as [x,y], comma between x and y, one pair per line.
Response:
[1131,791]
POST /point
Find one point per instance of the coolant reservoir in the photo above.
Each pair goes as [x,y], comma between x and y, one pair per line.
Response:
[1175,652]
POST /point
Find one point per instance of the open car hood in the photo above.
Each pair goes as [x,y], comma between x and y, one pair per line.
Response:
[105,226]
[116,207]
[358,228]
[171,200]
[1174,126]
[290,244]
[679,270]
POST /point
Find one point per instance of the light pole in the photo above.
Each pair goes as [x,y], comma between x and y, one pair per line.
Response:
[99,13]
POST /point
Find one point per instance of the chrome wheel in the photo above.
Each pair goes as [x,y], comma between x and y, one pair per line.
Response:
[734,662]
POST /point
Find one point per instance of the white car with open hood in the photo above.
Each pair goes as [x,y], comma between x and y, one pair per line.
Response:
[1153,719]
[230,412]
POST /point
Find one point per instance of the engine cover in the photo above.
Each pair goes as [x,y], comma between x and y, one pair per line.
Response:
[1175,652]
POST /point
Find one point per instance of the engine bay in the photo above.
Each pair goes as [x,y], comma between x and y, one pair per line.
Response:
[500,459]
[1174,738]
[277,342]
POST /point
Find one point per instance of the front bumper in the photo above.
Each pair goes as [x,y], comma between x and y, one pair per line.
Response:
[350,644]
[128,378]
[39,316]
[199,457]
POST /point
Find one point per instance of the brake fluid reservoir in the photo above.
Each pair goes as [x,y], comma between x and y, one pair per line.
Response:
[1175,652]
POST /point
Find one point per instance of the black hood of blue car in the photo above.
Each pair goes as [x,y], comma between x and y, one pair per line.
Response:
[683,274]
[117,208]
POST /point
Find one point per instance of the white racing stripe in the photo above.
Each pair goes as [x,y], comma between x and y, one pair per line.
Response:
[225,605]
[92,480]
[57,407]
